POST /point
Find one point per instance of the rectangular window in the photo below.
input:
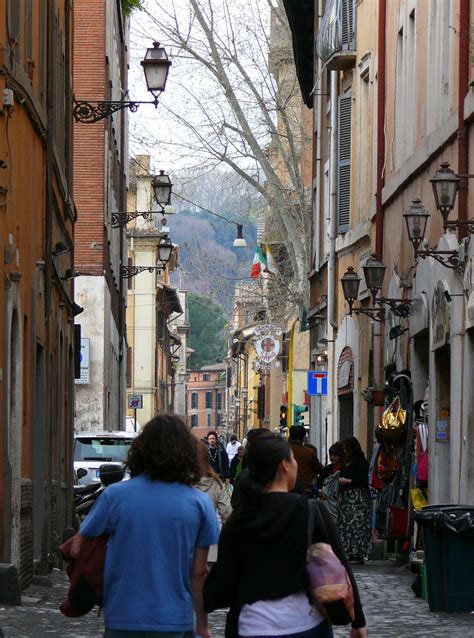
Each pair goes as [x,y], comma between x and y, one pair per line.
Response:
[344,163]
[219,402]
[14,8]
[205,377]
[194,420]
[218,420]
[194,401]
[208,400]
[208,420]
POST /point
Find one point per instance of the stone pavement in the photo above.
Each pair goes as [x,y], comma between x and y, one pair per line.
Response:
[391,609]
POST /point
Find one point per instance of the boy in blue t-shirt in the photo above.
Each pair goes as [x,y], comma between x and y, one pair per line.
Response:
[160,529]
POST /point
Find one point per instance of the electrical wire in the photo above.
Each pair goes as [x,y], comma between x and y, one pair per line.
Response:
[229,221]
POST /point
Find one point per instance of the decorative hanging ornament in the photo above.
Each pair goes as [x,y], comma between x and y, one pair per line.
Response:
[267,344]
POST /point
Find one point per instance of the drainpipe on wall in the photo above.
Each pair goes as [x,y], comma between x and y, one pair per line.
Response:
[332,320]
[318,172]
[378,336]
[463,169]
[290,376]
[463,77]
[333,202]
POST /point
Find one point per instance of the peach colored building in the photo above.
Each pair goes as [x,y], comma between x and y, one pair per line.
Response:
[206,399]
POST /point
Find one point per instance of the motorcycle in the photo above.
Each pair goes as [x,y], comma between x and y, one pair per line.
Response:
[86,495]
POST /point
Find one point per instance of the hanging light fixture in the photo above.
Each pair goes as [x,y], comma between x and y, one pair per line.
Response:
[374,271]
[156,66]
[445,188]
[416,218]
[165,249]
[162,188]
[239,241]
[350,286]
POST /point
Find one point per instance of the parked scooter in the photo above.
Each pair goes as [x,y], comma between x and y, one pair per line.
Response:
[86,495]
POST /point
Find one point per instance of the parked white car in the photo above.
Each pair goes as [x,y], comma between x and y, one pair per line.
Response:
[92,449]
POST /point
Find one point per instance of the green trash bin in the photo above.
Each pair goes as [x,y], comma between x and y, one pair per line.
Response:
[448,533]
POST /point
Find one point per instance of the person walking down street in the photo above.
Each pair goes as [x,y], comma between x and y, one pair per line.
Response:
[159,531]
[306,456]
[236,464]
[218,459]
[260,572]
[328,480]
[354,519]
[211,484]
[232,447]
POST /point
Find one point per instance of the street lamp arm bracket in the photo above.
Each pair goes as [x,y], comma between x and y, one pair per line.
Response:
[374,313]
[448,258]
[132,271]
[90,112]
[122,219]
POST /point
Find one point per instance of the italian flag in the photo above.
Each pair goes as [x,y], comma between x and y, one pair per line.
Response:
[259,264]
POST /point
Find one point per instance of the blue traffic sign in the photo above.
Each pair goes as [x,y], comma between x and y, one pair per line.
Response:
[317,382]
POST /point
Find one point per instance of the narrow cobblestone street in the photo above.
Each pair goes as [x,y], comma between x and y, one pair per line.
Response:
[391,610]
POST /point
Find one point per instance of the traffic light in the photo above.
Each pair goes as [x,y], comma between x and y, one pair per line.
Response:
[298,411]
[283,417]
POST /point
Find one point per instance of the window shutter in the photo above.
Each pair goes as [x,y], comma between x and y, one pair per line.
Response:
[344,163]
[347,24]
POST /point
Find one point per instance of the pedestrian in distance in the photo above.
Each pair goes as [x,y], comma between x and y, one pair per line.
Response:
[160,529]
[218,459]
[211,484]
[354,519]
[260,572]
[232,447]
[236,464]
[328,480]
[309,466]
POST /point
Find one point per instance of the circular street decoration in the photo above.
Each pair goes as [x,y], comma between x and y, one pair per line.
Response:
[267,345]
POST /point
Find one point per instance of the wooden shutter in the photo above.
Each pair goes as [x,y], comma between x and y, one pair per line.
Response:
[347,24]
[344,163]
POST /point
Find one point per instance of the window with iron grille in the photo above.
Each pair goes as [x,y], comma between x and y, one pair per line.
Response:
[344,163]
[219,402]
[208,400]
[194,401]
[194,420]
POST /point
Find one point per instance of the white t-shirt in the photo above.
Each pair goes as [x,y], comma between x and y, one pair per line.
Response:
[289,615]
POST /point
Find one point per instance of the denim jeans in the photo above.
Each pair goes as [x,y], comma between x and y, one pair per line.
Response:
[122,633]
[323,630]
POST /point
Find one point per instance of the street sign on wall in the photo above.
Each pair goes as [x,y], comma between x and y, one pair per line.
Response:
[84,362]
[317,382]
[135,401]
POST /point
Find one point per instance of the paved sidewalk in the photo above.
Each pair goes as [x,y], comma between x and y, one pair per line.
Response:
[391,609]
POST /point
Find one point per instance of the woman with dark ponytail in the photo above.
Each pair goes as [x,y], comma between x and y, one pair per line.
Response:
[261,573]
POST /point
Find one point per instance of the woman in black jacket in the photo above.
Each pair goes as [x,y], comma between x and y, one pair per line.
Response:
[261,569]
[354,520]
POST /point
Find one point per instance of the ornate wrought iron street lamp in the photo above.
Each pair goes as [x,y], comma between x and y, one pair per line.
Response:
[416,218]
[445,188]
[162,189]
[374,271]
[156,67]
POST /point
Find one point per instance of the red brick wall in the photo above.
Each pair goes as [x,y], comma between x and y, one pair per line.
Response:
[89,139]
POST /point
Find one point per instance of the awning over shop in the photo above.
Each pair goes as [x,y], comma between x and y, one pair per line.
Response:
[300,15]
[168,298]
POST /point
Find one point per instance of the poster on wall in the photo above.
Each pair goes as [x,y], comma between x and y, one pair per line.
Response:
[84,363]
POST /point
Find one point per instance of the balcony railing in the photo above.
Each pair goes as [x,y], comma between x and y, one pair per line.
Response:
[336,38]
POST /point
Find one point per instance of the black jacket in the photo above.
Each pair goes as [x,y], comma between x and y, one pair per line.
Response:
[221,465]
[358,472]
[262,556]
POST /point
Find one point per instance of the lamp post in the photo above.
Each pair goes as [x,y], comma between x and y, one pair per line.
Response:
[156,67]
[350,286]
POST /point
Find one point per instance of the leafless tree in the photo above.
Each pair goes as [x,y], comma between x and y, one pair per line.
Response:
[240,104]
